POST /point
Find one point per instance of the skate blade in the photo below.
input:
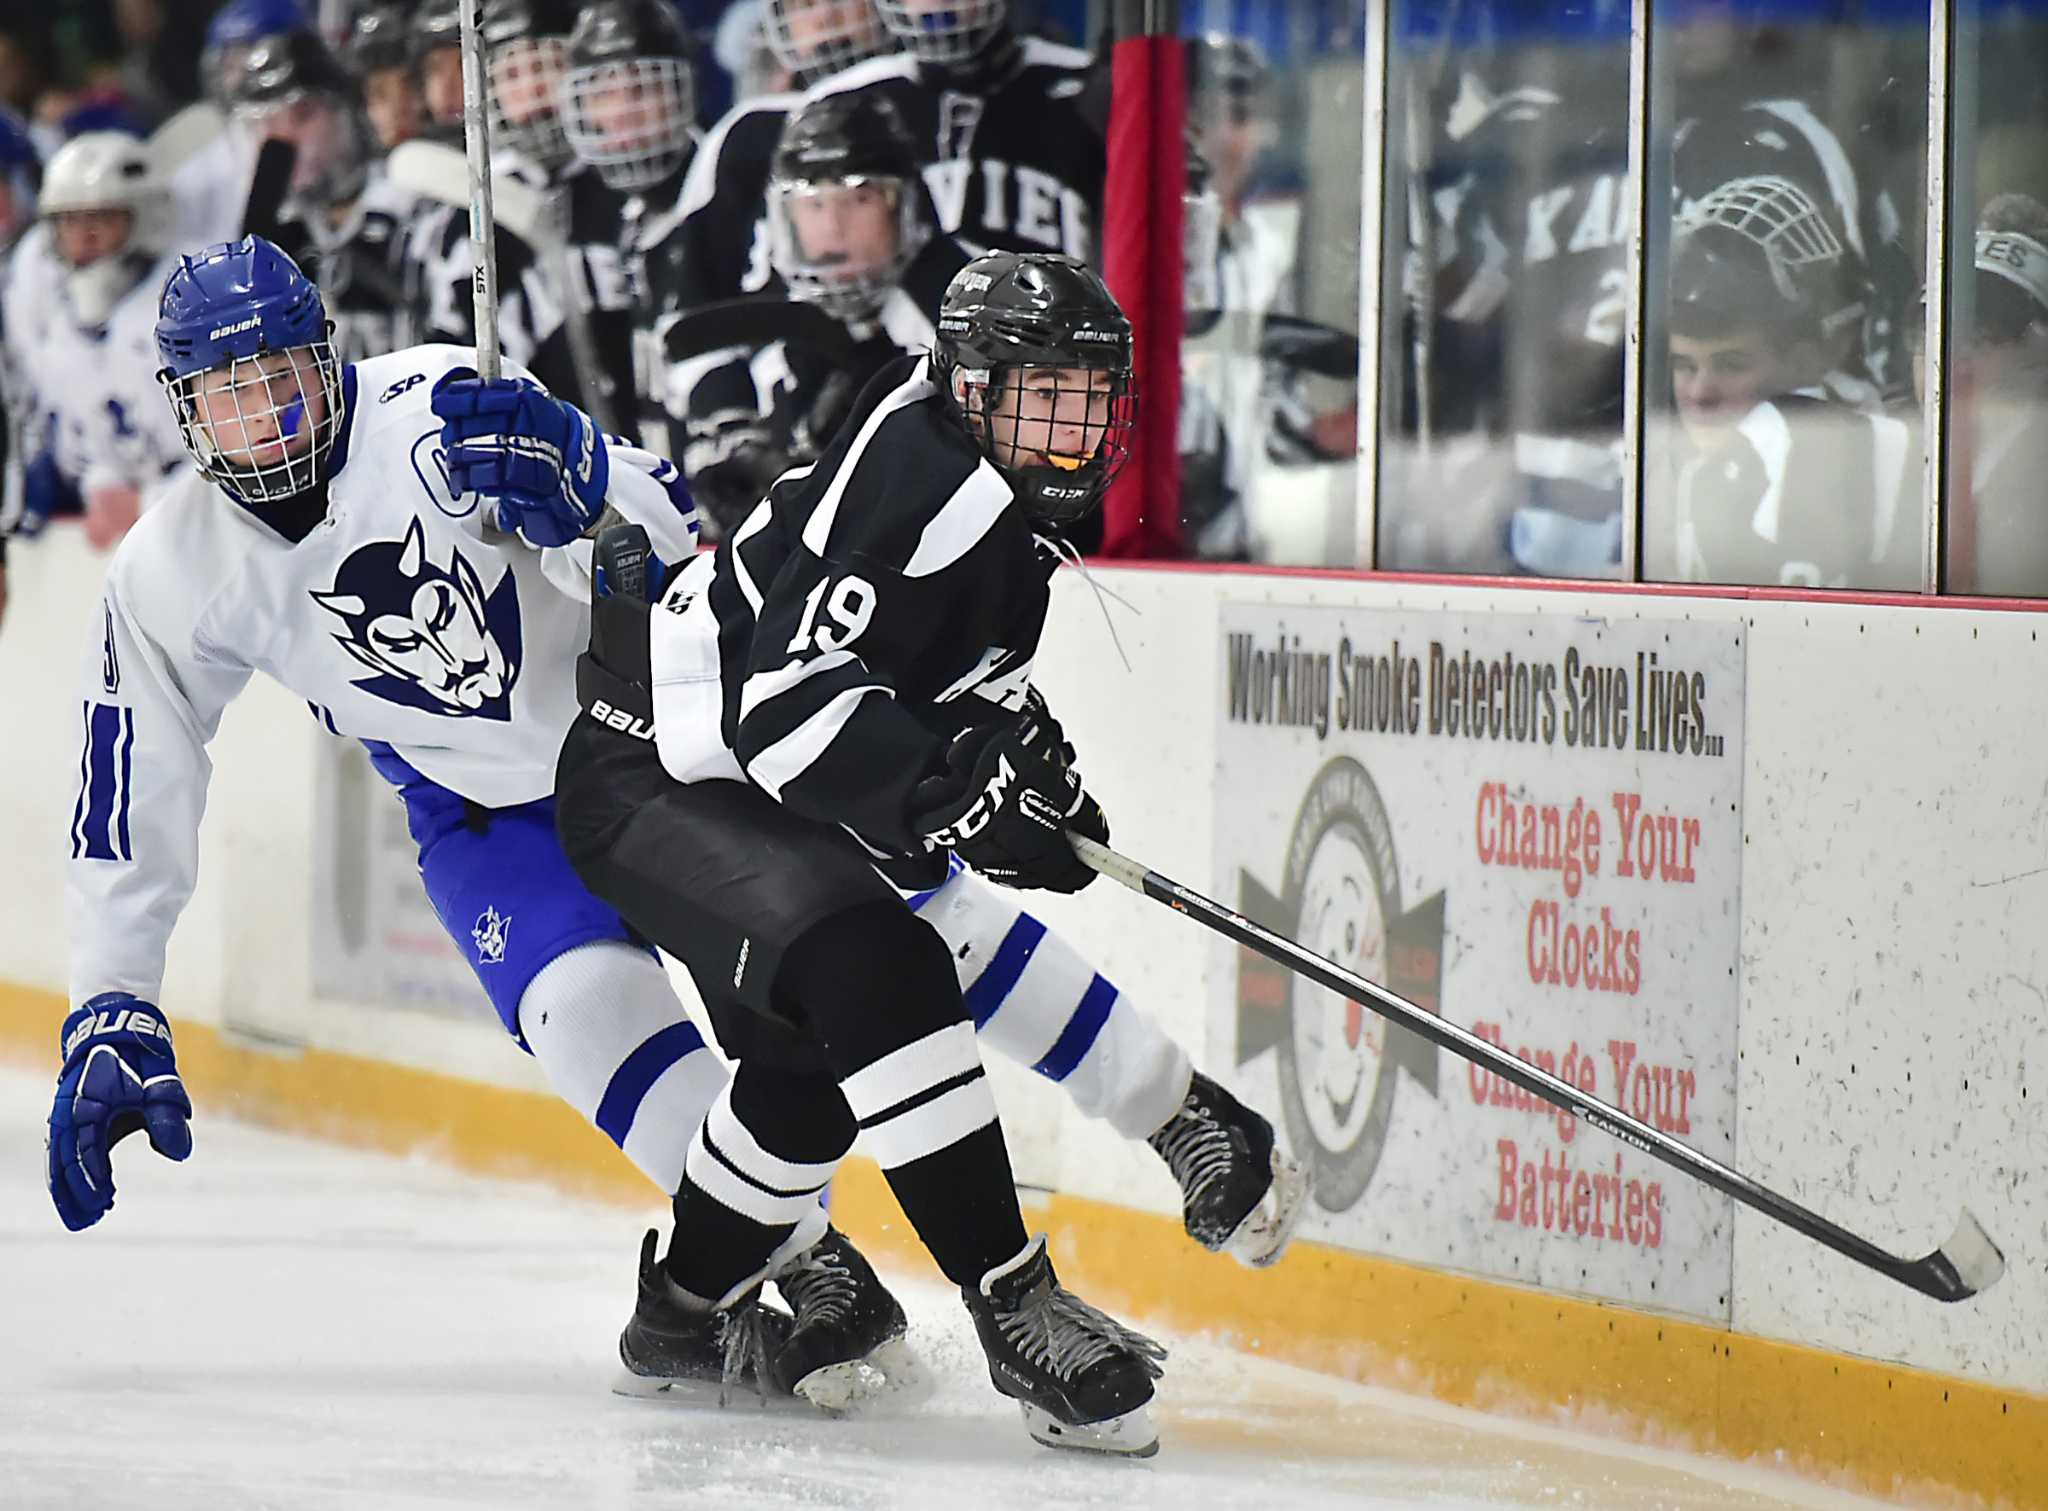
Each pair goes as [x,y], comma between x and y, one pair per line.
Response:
[702,1395]
[1267,1229]
[1130,1436]
[891,1369]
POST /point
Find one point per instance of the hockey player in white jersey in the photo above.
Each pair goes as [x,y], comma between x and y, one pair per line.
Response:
[79,309]
[335,538]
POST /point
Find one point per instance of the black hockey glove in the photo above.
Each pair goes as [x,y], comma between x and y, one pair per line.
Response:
[729,489]
[1004,804]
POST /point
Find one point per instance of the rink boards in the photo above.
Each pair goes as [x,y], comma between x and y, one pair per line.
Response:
[1810,948]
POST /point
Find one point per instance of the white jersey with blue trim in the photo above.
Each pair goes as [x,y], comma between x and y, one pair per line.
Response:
[396,617]
[87,395]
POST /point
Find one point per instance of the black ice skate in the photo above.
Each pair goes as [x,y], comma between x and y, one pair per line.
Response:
[671,1349]
[1081,1379]
[1240,1192]
[846,1342]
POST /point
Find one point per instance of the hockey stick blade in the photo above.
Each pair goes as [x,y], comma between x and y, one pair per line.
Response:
[1968,1263]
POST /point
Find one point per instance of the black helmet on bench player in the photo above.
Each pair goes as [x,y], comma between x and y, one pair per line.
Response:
[846,204]
[1034,351]
[629,99]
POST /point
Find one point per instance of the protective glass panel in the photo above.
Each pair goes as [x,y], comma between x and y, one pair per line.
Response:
[1269,401]
[1995,518]
[1783,440]
[1504,288]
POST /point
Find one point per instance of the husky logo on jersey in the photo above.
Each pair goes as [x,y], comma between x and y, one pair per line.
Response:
[431,634]
[491,932]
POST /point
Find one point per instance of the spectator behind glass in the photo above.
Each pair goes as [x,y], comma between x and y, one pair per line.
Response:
[1998,511]
[1777,483]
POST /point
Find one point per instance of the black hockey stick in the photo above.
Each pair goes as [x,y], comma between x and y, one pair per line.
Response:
[263,211]
[1968,1263]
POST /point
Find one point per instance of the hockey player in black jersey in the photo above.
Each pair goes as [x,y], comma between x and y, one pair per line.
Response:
[628,106]
[1772,481]
[379,53]
[717,248]
[848,682]
[343,222]
[852,242]
[565,294]
[1012,151]
[1013,137]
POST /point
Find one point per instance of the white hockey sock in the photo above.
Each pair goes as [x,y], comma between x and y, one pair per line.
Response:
[1034,1000]
[617,1045]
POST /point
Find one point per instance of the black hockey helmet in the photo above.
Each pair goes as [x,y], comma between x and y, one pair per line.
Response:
[1756,250]
[378,39]
[1227,77]
[1011,325]
[629,98]
[435,24]
[814,39]
[844,159]
[292,87]
[949,35]
[526,43]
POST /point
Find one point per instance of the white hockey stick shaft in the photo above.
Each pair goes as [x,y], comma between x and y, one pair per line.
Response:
[476,136]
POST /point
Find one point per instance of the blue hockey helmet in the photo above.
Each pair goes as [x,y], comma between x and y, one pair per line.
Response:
[235,28]
[250,370]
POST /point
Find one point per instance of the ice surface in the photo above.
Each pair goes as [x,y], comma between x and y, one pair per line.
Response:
[279,1323]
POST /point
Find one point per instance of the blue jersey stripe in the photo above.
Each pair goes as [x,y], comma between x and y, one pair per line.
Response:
[1081,1032]
[642,1068]
[994,985]
[103,746]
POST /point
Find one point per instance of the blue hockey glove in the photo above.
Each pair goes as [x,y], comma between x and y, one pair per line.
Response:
[119,1075]
[542,460]
[45,492]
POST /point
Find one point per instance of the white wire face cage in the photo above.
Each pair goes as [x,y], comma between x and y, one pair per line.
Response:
[262,427]
[820,37]
[943,31]
[1775,213]
[847,281]
[632,121]
[526,99]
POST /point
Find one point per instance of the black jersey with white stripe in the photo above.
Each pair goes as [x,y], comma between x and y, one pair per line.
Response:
[874,605]
[720,246]
[1014,152]
[358,263]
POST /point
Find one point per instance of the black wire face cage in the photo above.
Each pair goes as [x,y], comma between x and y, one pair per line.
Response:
[632,119]
[817,38]
[525,99]
[836,280]
[1060,435]
[256,433]
[943,31]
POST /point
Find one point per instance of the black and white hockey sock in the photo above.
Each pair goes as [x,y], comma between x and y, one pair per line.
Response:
[879,986]
[928,1117]
[751,1181]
